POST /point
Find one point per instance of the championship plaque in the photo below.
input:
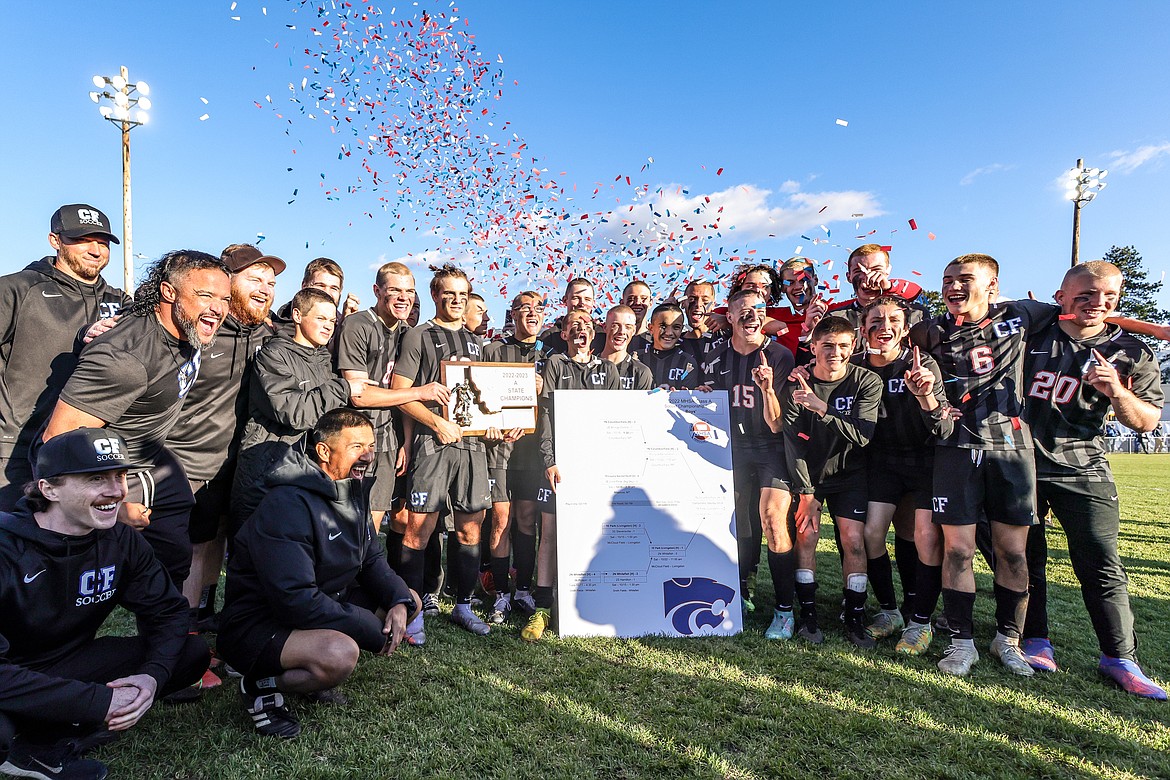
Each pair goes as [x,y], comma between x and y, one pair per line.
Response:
[490,395]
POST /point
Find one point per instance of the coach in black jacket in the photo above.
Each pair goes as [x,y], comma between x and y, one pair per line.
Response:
[308,585]
[65,563]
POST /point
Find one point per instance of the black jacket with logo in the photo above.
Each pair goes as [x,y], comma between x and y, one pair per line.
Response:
[297,558]
[56,591]
[42,310]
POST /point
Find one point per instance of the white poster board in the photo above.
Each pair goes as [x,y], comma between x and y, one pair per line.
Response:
[645,514]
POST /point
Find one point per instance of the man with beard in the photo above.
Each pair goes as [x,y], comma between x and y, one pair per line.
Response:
[42,309]
[133,379]
[620,324]
[206,437]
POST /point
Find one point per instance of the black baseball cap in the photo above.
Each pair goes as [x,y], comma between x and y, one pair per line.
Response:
[83,451]
[79,220]
[242,257]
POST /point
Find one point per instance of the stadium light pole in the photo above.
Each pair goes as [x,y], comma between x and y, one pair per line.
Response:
[127,107]
[1082,185]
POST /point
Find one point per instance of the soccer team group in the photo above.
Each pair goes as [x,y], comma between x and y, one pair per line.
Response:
[141,438]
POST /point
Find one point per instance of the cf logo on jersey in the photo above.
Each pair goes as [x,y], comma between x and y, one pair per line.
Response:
[599,379]
[543,495]
[108,309]
[473,349]
[418,499]
[843,405]
[896,385]
[96,585]
[940,504]
[1007,327]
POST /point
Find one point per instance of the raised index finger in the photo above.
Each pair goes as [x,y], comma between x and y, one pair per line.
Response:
[803,384]
[1101,361]
[917,358]
[763,358]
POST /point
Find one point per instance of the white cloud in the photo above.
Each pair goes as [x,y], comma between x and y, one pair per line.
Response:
[738,214]
[1128,162]
[790,186]
[993,168]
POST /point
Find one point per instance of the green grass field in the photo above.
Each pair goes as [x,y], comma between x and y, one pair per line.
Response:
[738,707]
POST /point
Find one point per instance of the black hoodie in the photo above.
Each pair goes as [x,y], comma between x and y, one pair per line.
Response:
[302,552]
[56,591]
[42,310]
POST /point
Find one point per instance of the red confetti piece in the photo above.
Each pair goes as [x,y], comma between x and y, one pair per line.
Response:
[965,398]
[1016,423]
[803,436]
[719,172]
[888,249]
[913,225]
[1067,317]
[958,319]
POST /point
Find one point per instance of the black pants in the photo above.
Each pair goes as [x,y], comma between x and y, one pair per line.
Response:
[1090,515]
[166,490]
[105,659]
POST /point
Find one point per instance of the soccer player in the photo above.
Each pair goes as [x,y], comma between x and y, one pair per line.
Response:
[515,472]
[325,275]
[899,466]
[308,585]
[42,308]
[868,271]
[828,418]
[576,369]
[134,377]
[620,322]
[206,437]
[638,297]
[579,296]
[698,300]
[367,348]
[476,318]
[986,466]
[65,564]
[444,465]
[760,474]
[292,385]
[673,367]
[1076,371]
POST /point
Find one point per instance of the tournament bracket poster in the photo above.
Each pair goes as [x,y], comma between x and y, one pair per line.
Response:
[645,514]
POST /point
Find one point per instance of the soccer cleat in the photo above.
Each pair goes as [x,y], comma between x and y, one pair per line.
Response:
[749,606]
[916,639]
[1130,678]
[809,631]
[1039,654]
[210,680]
[186,695]
[270,716]
[782,626]
[487,581]
[536,625]
[502,609]
[857,635]
[331,696]
[1007,650]
[430,604]
[463,617]
[416,632]
[959,657]
[523,603]
[885,623]
[50,762]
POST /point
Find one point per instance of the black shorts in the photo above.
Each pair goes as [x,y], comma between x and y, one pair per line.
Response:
[440,472]
[523,483]
[760,465]
[972,484]
[850,502]
[891,477]
[545,498]
[1089,504]
[498,485]
[209,516]
[385,489]
[166,491]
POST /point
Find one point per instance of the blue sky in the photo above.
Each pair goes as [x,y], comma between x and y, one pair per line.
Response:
[962,120]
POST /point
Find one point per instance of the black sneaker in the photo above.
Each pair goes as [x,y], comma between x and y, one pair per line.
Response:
[857,636]
[430,604]
[269,714]
[809,631]
[50,762]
